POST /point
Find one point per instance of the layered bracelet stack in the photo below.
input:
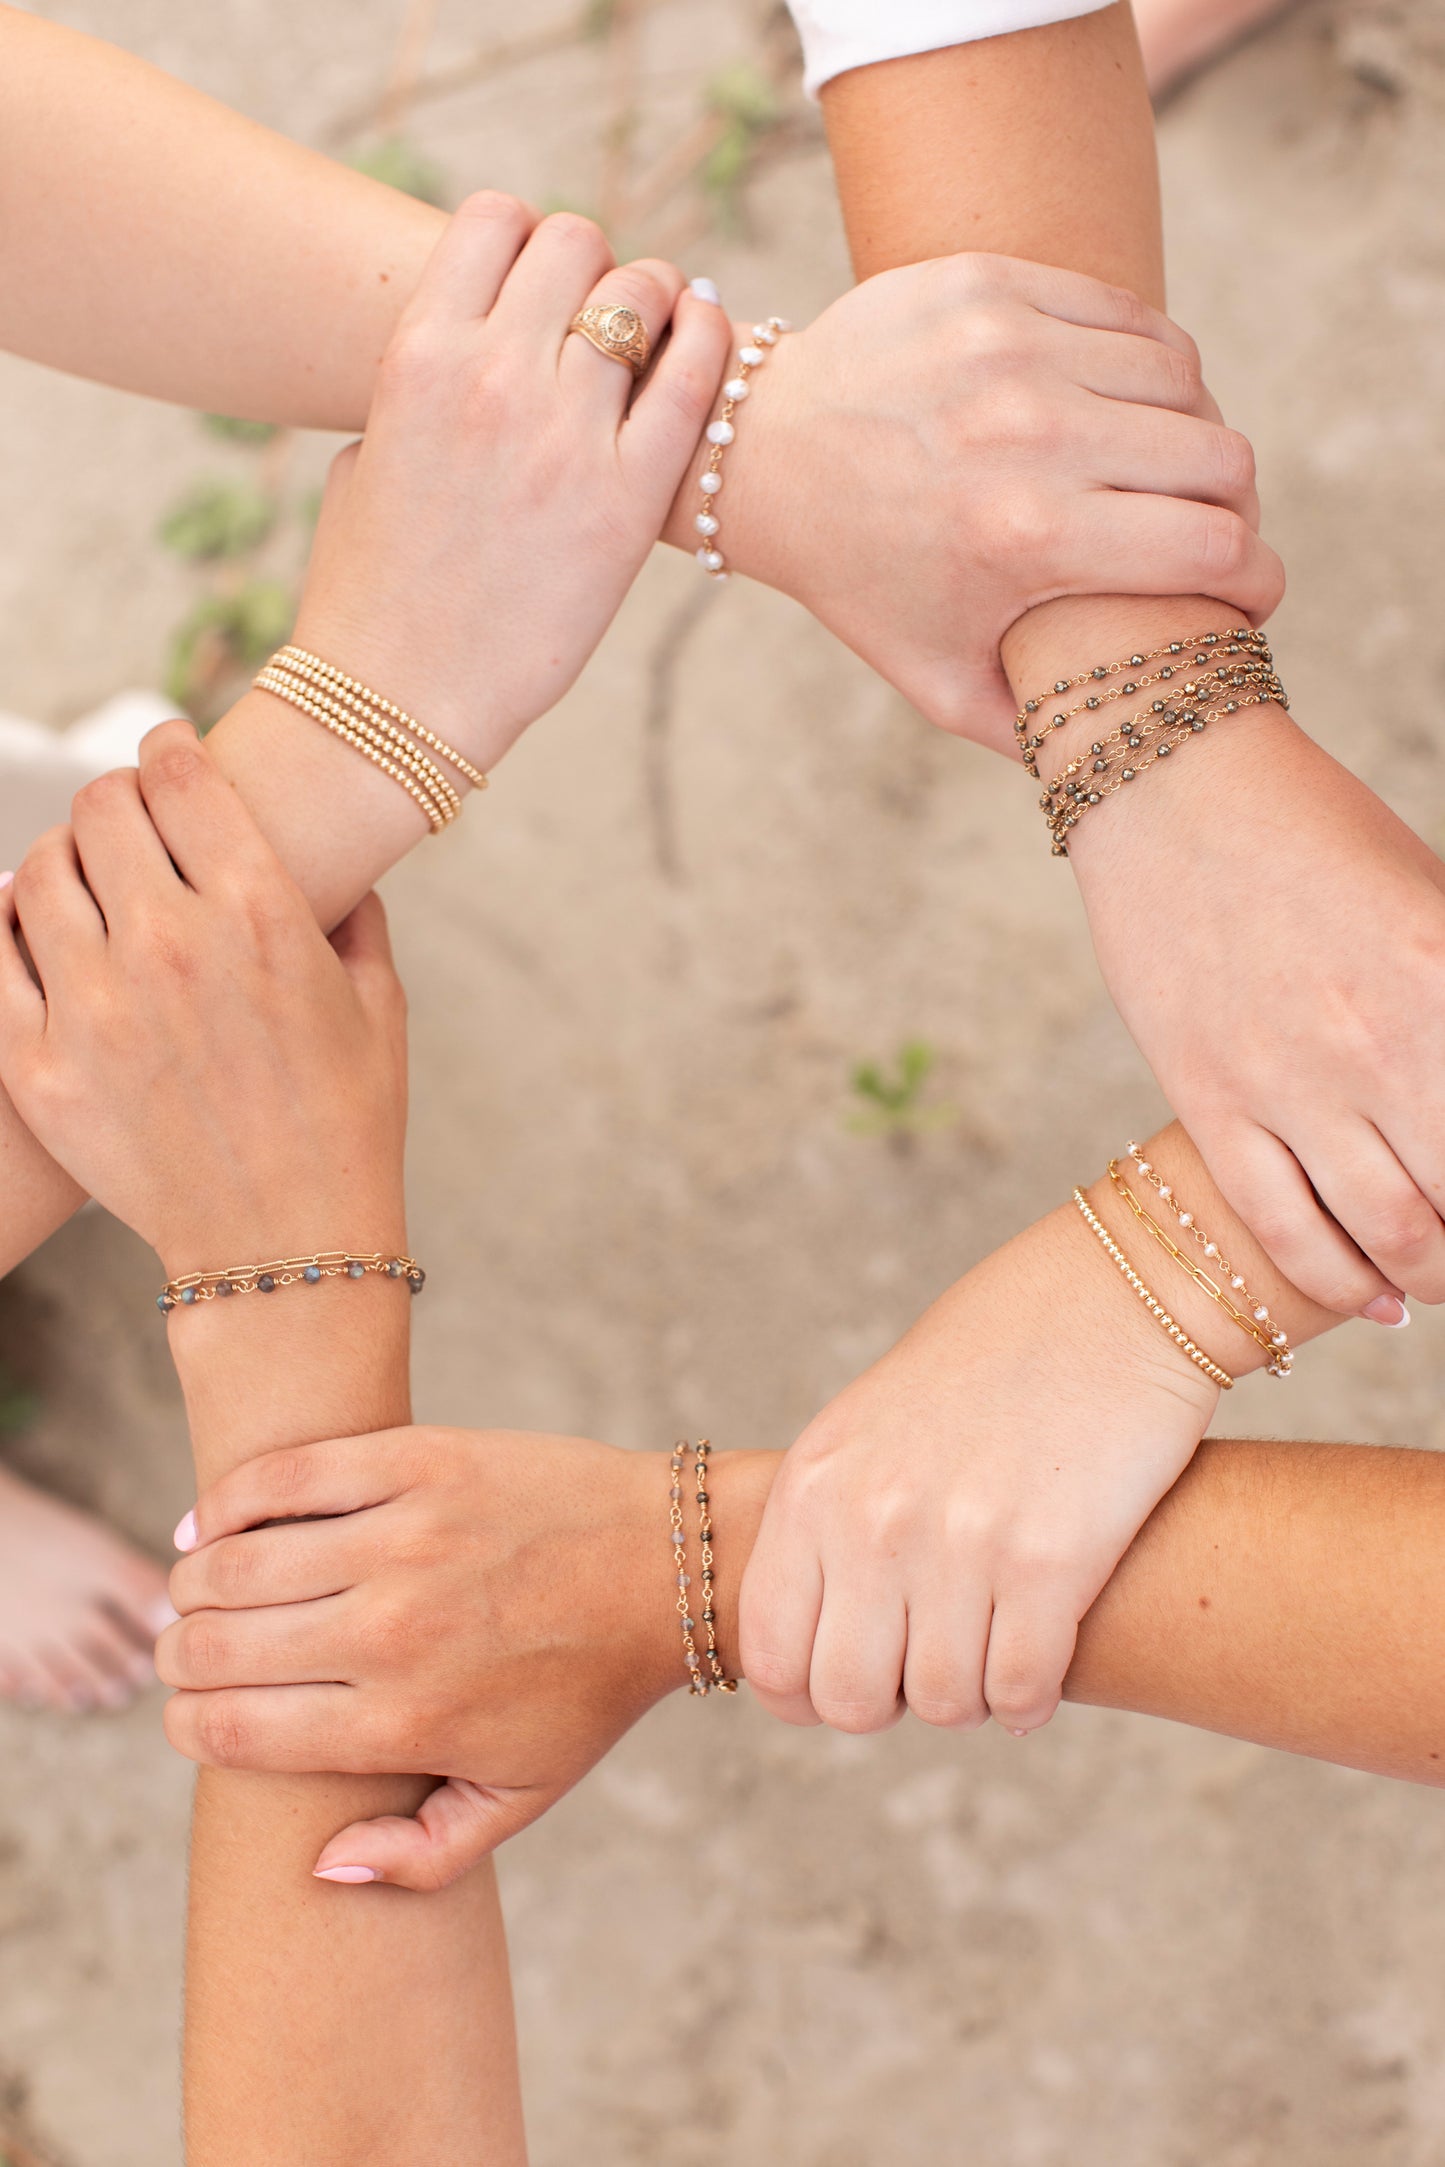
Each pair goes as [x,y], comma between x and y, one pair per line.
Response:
[378,729]
[1214,1277]
[705,1671]
[720,434]
[288,1272]
[1222,673]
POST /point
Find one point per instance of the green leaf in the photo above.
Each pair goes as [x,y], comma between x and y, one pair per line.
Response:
[742,93]
[233,431]
[219,519]
[236,630]
[399,164]
[892,1100]
[18,1409]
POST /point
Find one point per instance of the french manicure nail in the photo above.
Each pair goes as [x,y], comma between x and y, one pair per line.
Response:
[356,1874]
[186,1537]
[1389,1310]
[705,291]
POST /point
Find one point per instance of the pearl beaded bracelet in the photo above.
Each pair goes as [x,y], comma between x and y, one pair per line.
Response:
[720,434]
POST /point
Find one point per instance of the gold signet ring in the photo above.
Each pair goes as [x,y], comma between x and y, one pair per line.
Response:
[618,332]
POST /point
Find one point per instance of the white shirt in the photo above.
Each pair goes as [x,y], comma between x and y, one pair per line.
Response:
[842,34]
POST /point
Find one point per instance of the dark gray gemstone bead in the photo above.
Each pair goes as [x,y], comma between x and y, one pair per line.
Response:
[188,1295]
[311,1274]
[266,1284]
[356,1271]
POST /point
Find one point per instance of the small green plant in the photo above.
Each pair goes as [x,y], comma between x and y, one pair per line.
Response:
[219,519]
[232,431]
[223,636]
[399,164]
[891,1099]
[748,106]
[18,1409]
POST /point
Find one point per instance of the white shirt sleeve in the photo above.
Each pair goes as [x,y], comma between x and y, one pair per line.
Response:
[842,34]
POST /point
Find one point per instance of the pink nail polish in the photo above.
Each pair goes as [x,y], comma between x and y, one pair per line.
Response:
[5,879]
[1389,1310]
[186,1537]
[355,1874]
[1021,1734]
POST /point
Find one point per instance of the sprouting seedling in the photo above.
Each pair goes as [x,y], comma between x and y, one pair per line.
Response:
[892,1097]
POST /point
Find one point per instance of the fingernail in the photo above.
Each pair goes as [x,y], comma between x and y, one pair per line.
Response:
[1389,1310]
[161,1613]
[705,291]
[1020,1734]
[185,1537]
[344,1873]
[6,878]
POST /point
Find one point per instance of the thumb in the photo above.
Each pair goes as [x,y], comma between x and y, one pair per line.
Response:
[456,1828]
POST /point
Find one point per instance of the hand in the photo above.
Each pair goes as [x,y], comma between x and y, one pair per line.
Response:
[935,1535]
[1274,938]
[484,1606]
[196,1053]
[953,443]
[475,547]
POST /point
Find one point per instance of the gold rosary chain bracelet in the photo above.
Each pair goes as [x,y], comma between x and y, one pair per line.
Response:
[1196,1272]
[719,1676]
[194,1287]
[1151,1301]
[720,434]
[1259,1324]
[1243,636]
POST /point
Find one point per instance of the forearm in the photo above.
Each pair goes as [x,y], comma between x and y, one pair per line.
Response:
[327,2026]
[1039,145]
[158,241]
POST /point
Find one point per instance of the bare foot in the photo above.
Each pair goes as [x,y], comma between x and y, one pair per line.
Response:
[79,1608]
[1179,36]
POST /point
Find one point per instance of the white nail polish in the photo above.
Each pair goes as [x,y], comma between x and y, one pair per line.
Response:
[705,291]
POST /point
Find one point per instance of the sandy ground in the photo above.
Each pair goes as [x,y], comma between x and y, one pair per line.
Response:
[731,866]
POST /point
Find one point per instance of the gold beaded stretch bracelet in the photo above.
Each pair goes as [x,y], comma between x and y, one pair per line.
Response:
[1253,1316]
[705,1672]
[1151,1302]
[287,1272]
[380,731]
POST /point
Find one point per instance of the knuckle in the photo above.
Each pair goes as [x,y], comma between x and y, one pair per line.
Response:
[222,1734]
[281,1479]
[493,206]
[1224,541]
[1406,1231]
[103,793]
[771,1671]
[1180,378]
[1236,462]
[176,767]
[939,1703]
[573,231]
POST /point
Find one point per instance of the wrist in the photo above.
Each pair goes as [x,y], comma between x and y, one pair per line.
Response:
[382,646]
[754,472]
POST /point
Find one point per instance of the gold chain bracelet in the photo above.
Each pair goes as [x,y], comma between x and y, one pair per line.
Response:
[1151,1302]
[1254,1317]
[1241,640]
[287,1272]
[702,1676]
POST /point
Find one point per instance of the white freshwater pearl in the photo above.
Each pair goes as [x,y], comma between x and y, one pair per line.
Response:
[1281,1339]
[751,357]
[709,484]
[1261,1315]
[710,559]
[1211,1249]
[706,524]
[735,388]
[1167,1193]
[765,335]
[1237,1281]
[1186,1218]
[720,432]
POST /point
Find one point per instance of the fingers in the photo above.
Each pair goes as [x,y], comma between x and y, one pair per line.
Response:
[1367,1191]
[1157,453]
[1120,543]
[296,1562]
[948,1632]
[1072,297]
[1267,1186]
[22,1005]
[457,1827]
[649,292]
[199,817]
[302,1482]
[664,427]
[782,1596]
[467,269]
[286,1644]
[63,930]
[551,279]
[121,855]
[1030,1647]
[856,1679]
[1118,365]
[283,1730]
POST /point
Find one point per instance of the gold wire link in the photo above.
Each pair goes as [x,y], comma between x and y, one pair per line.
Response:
[705,1672]
[1151,1301]
[194,1287]
[1255,1318]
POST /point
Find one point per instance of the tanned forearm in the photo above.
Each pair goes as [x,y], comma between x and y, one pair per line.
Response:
[331,2026]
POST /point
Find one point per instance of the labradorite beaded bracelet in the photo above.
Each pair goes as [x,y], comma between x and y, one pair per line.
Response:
[286,1272]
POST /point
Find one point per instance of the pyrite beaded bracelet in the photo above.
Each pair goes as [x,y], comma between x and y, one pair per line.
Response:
[1242,640]
[196,1287]
[720,434]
